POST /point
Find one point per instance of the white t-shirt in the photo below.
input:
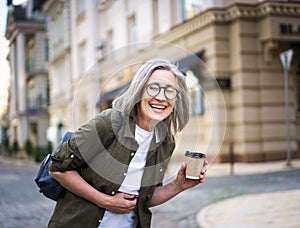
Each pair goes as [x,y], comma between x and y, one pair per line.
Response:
[132,182]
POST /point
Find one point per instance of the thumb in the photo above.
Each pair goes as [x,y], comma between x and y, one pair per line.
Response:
[182,169]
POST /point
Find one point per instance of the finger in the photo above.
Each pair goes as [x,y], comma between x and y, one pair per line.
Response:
[202,178]
[125,195]
[204,168]
[182,169]
[131,204]
[205,162]
[130,197]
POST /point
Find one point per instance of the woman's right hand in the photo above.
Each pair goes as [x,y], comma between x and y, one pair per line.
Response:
[121,203]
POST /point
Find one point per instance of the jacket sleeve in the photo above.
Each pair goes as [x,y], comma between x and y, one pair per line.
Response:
[83,145]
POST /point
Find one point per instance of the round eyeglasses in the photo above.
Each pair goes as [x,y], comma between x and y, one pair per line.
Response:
[153,89]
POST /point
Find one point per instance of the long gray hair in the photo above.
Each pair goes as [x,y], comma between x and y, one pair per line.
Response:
[129,100]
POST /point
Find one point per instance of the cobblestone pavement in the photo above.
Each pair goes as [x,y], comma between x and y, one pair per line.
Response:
[21,205]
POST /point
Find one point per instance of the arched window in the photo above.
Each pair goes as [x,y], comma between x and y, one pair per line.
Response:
[195,93]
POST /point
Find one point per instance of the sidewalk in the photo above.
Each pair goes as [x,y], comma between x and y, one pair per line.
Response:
[278,209]
[224,169]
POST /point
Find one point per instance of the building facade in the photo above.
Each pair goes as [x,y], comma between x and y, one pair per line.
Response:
[242,43]
[60,70]
[237,89]
[29,88]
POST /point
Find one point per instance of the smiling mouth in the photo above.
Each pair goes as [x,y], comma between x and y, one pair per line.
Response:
[160,107]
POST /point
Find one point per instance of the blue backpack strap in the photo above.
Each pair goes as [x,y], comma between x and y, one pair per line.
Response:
[66,137]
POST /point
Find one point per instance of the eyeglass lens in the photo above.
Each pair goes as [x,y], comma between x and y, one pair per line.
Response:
[154,89]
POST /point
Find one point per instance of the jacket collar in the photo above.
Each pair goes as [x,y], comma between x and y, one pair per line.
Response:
[129,130]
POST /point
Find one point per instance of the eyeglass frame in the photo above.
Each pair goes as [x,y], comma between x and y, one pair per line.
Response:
[159,89]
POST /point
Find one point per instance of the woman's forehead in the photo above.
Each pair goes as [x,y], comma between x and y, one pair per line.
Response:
[163,76]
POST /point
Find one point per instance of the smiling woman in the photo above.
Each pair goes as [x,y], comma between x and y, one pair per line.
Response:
[156,107]
[163,74]
[120,182]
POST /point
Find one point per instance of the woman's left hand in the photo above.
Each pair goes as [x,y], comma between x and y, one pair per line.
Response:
[168,191]
[183,183]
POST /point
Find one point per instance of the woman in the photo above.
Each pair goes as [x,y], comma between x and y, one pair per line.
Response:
[113,167]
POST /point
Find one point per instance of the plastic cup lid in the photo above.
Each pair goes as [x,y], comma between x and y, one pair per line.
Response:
[195,154]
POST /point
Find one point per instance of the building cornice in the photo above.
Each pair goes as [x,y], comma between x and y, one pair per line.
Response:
[28,26]
[228,15]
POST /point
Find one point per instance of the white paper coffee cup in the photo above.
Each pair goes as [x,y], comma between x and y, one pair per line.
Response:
[194,164]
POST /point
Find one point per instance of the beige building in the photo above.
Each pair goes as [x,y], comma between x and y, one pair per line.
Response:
[240,43]
[237,92]
[73,52]
[60,68]
[28,56]
[4,77]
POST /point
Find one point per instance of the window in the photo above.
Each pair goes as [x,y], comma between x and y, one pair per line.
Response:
[46,50]
[195,93]
[109,43]
[48,92]
[81,6]
[190,8]
[155,16]
[82,58]
[132,38]
[29,55]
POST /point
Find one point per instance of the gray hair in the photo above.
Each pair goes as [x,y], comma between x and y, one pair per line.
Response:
[129,100]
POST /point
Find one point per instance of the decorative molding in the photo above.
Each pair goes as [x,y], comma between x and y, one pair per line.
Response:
[104,4]
[228,15]
[53,8]
[16,27]
[60,55]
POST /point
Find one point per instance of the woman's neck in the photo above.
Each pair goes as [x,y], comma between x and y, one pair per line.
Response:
[146,124]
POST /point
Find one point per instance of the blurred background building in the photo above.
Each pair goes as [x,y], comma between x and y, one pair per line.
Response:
[29,86]
[78,45]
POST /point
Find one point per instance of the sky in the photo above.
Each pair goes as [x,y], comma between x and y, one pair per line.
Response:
[3,15]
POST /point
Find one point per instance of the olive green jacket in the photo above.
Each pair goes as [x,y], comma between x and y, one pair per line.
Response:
[103,163]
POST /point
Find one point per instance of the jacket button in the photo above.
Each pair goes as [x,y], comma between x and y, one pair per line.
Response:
[132,154]
[72,156]
[160,170]
[113,192]
[124,174]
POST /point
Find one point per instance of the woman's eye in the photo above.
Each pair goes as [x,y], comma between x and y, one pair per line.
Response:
[170,90]
[154,87]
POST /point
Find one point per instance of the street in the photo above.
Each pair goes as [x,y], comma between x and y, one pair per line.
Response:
[21,205]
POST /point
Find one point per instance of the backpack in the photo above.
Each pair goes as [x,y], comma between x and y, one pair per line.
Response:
[48,186]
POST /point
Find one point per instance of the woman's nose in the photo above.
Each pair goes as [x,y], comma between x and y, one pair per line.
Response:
[161,95]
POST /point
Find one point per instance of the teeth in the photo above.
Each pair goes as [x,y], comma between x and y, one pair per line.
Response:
[158,106]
